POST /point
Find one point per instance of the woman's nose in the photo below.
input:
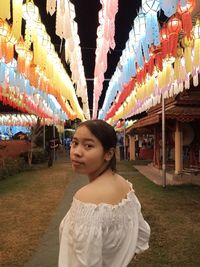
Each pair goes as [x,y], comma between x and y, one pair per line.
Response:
[77,150]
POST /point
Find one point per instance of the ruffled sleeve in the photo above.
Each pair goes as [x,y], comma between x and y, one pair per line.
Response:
[103,235]
[80,237]
[144,232]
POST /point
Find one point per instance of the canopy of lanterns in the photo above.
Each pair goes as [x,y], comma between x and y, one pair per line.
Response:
[36,82]
[157,60]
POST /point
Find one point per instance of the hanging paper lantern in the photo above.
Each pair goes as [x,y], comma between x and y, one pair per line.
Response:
[169,7]
[164,39]
[190,6]
[150,65]
[28,61]
[4,27]
[187,45]
[174,26]
[10,42]
[196,61]
[4,30]
[150,6]
[185,12]
[17,18]
[139,25]
[30,11]
[158,58]
[177,63]
[21,49]
[197,29]
[5,9]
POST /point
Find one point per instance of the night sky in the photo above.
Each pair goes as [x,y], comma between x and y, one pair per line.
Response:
[87,19]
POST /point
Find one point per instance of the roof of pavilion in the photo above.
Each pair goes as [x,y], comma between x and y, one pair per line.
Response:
[184,107]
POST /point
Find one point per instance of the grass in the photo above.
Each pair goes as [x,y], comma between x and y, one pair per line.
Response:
[174,217]
[29,199]
[28,202]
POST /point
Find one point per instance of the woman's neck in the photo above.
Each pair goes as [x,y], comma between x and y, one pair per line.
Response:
[102,171]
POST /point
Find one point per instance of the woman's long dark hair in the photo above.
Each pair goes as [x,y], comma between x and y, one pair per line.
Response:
[106,134]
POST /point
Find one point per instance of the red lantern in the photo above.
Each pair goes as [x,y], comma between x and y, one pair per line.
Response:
[158,59]
[164,39]
[174,27]
[185,12]
[190,6]
[150,66]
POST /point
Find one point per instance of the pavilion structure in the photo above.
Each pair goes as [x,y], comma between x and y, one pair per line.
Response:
[182,120]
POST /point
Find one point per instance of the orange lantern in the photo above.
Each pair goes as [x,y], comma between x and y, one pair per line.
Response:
[10,42]
[4,29]
[21,49]
[185,12]
[174,27]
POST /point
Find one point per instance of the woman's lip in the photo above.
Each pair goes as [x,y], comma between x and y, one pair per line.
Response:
[76,163]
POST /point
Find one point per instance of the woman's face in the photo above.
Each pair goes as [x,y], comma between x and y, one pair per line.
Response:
[87,154]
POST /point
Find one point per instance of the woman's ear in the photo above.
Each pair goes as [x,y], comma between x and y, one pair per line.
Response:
[109,154]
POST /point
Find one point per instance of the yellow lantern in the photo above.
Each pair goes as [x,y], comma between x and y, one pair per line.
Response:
[196,61]
[177,63]
[187,44]
[17,18]
[197,29]
[5,9]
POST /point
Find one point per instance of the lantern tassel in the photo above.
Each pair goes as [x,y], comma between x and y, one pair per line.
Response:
[5,9]
[187,23]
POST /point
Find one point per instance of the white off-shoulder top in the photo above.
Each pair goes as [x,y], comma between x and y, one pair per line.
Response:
[103,235]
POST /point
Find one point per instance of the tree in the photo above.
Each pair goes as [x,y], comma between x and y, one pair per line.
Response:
[36,131]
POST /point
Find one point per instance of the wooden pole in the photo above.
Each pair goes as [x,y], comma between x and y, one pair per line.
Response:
[163,143]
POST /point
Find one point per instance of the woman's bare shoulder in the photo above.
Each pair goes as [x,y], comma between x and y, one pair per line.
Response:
[110,192]
[87,194]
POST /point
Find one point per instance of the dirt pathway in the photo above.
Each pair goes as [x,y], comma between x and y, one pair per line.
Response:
[47,252]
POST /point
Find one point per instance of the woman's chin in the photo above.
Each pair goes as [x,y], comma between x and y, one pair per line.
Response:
[77,169]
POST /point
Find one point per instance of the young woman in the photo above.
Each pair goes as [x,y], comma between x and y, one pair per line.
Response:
[104,226]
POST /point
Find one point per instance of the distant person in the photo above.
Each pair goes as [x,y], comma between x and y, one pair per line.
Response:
[53,145]
[67,145]
[104,226]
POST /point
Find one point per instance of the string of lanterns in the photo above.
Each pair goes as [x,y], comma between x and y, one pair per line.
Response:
[24,120]
[105,41]
[166,72]
[154,62]
[42,66]
[67,29]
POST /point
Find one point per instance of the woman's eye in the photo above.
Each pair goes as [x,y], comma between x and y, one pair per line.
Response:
[74,143]
[88,146]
